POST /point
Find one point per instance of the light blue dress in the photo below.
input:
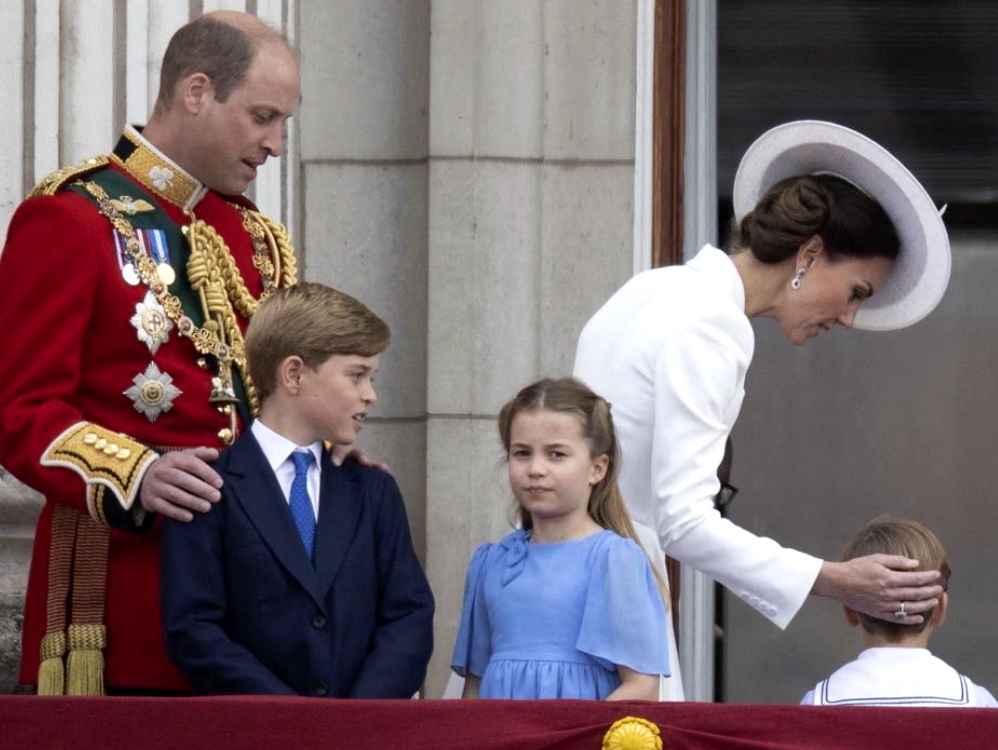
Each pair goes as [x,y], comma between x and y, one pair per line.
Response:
[555,620]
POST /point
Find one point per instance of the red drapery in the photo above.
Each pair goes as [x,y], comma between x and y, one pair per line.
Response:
[247,723]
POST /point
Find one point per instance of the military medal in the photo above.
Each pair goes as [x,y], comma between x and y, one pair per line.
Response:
[153,392]
[128,270]
[151,322]
[153,244]
[166,273]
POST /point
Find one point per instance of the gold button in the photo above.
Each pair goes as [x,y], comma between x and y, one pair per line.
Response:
[202,363]
[99,445]
[124,453]
[90,438]
[225,435]
[225,409]
[110,449]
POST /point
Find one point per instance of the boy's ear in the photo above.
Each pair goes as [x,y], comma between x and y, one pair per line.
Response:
[289,373]
[852,616]
[939,613]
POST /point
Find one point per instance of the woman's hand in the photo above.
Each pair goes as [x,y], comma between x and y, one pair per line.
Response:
[635,686]
[877,585]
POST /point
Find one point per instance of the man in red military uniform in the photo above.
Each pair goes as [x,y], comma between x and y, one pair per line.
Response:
[125,285]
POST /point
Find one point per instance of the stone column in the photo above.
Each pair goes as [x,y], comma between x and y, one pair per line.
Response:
[365,79]
[530,230]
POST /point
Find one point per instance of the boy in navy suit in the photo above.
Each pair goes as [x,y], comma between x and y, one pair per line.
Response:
[303,580]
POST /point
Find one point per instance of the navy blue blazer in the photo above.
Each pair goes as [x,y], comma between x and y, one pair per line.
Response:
[245,610]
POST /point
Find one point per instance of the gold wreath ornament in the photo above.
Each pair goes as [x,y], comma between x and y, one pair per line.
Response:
[632,733]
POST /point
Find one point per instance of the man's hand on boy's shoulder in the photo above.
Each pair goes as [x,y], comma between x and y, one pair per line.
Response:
[179,482]
[346,452]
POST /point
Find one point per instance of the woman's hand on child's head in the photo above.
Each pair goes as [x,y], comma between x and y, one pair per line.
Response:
[346,452]
[877,585]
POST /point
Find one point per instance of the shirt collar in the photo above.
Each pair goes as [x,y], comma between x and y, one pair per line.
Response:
[719,263]
[896,653]
[278,448]
[156,171]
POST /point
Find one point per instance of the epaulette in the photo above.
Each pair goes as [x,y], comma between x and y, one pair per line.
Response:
[54,182]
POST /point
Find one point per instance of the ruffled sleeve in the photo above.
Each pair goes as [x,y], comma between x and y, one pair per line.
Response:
[623,620]
[474,637]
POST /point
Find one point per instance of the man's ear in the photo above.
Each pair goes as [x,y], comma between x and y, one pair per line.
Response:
[810,251]
[941,610]
[852,616]
[195,91]
[289,373]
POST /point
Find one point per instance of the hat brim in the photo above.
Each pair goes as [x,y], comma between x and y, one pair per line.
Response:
[918,277]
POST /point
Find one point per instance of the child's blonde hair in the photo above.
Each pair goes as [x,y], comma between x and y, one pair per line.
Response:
[899,536]
[314,322]
[572,396]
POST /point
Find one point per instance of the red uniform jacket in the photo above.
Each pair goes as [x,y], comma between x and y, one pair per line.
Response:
[69,354]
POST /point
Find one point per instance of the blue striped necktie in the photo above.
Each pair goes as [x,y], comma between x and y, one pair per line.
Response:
[301,505]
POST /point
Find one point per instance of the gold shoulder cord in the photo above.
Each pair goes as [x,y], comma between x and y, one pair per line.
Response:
[221,288]
[53,182]
[213,274]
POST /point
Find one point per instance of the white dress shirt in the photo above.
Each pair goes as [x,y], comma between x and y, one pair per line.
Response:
[898,677]
[278,450]
[670,351]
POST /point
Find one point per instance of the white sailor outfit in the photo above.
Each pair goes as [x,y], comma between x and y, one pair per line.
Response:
[899,677]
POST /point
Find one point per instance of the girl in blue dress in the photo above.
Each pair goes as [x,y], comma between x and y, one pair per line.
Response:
[567,606]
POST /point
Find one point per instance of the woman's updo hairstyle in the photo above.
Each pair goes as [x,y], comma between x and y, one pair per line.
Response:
[793,210]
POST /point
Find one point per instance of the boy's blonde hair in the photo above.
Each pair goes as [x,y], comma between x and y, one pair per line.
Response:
[899,536]
[314,322]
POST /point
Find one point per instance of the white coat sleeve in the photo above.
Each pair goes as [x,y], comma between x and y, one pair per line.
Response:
[697,397]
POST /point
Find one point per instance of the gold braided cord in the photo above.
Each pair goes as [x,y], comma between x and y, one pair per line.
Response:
[214,276]
[51,670]
[277,237]
[54,645]
[86,633]
[87,636]
[216,254]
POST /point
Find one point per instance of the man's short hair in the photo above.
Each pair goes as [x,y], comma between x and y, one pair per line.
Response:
[314,322]
[220,50]
[899,536]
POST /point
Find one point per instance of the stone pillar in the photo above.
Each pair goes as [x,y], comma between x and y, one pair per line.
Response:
[530,230]
[19,508]
[364,184]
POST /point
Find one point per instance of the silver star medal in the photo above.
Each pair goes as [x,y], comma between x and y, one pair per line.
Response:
[153,392]
[151,323]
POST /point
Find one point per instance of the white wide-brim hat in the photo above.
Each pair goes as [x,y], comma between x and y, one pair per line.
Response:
[918,277]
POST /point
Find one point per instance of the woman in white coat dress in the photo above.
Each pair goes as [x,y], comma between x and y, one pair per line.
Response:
[833,231]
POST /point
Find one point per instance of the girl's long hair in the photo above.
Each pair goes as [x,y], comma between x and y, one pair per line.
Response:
[572,396]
